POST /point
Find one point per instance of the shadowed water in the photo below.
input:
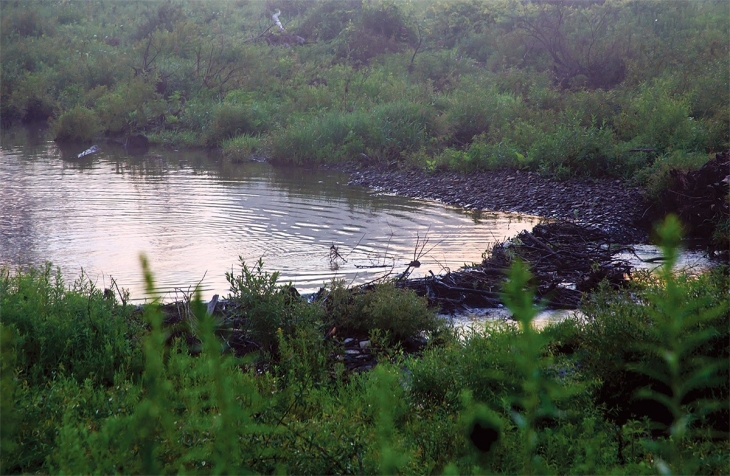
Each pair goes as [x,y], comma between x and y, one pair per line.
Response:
[194,214]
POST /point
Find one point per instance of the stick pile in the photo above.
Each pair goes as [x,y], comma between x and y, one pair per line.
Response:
[566,260]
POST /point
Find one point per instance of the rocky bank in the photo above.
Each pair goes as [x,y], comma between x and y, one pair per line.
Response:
[609,205]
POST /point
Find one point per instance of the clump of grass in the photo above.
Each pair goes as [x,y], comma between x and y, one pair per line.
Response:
[398,312]
[384,132]
[78,124]
[241,148]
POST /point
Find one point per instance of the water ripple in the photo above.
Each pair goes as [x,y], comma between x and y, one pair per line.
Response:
[194,221]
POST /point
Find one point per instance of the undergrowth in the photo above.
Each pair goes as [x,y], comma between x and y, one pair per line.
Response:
[93,385]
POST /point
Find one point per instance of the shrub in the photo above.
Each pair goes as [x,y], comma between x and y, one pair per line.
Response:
[78,124]
[482,155]
[241,148]
[33,98]
[80,332]
[575,150]
[659,119]
[475,110]
[387,132]
[655,178]
[635,349]
[401,127]
[398,312]
[266,307]
[231,120]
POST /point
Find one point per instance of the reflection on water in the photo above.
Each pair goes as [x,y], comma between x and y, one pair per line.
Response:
[193,215]
[476,321]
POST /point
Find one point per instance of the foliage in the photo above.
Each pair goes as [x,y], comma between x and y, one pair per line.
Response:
[564,88]
[82,332]
[386,132]
[243,147]
[267,307]
[232,120]
[398,312]
[683,356]
[508,398]
[575,150]
[77,125]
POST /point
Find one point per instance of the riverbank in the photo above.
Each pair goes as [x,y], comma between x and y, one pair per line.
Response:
[612,206]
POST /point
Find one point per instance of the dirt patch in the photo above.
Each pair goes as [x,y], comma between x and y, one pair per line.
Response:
[607,205]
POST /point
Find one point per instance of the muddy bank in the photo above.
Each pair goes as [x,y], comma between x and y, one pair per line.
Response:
[566,260]
[608,205]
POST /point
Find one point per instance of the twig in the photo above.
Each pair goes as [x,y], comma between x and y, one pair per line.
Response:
[357,244]
[121,296]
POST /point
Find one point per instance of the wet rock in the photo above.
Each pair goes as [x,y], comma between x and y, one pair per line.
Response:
[621,206]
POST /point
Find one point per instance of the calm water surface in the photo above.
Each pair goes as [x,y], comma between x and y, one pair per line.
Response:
[194,214]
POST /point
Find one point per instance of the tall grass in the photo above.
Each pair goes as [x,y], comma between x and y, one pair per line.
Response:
[506,399]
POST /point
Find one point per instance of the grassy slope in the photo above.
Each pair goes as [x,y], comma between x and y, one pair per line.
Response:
[564,89]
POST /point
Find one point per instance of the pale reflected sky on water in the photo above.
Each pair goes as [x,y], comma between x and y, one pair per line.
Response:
[193,215]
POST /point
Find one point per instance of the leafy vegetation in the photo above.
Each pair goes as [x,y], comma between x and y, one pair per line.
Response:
[91,384]
[600,88]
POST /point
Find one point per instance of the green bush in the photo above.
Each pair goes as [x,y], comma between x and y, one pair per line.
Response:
[77,125]
[81,332]
[243,147]
[386,132]
[267,307]
[232,120]
[482,155]
[575,150]
[129,107]
[659,119]
[636,351]
[33,99]
[655,177]
[506,399]
[475,110]
[687,357]
[398,312]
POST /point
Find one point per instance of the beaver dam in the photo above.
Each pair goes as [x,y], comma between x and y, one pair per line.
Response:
[565,259]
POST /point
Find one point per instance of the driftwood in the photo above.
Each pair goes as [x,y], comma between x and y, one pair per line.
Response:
[566,260]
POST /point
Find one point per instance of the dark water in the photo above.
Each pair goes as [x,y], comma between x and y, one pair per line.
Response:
[194,214]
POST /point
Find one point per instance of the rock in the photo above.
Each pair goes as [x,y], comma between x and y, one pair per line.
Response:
[510,191]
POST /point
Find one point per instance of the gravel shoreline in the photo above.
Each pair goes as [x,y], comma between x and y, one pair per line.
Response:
[609,205]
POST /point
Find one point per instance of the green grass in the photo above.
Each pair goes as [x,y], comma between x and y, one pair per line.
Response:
[429,84]
[85,374]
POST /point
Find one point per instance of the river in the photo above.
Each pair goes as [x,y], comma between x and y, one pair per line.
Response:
[194,213]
